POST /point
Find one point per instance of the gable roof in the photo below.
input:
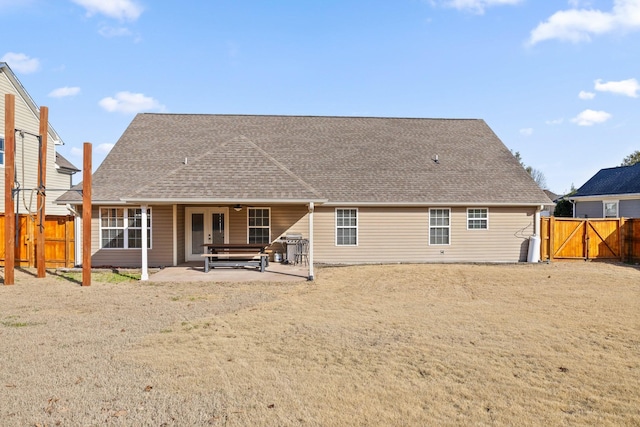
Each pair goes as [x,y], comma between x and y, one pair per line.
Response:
[338,160]
[4,68]
[612,181]
[64,165]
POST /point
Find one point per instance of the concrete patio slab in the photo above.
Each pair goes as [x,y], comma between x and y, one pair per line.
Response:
[194,272]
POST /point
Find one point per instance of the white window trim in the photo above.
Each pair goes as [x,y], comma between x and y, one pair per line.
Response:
[357,227]
[268,227]
[604,210]
[472,219]
[125,228]
[430,227]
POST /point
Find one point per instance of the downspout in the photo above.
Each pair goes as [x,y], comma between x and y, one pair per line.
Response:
[536,221]
[534,241]
[311,208]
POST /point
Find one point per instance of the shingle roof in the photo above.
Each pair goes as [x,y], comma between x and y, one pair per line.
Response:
[65,164]
[337,159]
[612,181]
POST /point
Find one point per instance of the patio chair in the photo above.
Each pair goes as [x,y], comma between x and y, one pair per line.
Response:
[302,252]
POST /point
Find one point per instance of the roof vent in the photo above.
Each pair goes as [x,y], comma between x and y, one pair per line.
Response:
[435,159]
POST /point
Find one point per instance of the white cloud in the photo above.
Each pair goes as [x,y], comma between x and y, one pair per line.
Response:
[555,121]
[476,6]
[62,92]
[578,25]
[628,87]
[591,117]
[104,148]
[586,95]
[124,10]
[127,102]
[21,63]
[526,131]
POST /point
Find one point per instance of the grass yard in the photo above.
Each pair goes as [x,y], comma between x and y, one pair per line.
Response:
[547,344]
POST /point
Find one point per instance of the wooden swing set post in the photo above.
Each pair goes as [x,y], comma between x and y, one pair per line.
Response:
[86,215]
[42,184]
[9,172]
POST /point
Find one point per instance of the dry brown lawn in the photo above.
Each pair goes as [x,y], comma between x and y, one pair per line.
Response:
[393,345]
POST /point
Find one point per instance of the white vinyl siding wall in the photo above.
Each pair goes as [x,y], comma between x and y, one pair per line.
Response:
[385,235]
[26,120]
[160,255]
[402,235]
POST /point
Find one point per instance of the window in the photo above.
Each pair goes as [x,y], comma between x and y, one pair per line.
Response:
[439,226]
[610,209]
[121,228]
[477,219]
[259,225]
[346,227]
[1,149]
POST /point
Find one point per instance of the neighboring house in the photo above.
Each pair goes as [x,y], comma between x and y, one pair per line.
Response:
[363,190]
[27,119]
[610,193]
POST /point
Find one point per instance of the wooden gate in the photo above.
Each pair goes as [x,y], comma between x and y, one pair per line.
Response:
[59,244]
[578,238]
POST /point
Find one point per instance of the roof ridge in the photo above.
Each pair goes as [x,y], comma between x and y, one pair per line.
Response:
[282,167]
[317,116]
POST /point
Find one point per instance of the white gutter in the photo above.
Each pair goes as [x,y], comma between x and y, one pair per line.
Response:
[599,197]
[226,201]
[429,204]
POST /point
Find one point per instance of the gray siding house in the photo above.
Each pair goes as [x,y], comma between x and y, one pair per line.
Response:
[610,193]
[362,190]
[27,118]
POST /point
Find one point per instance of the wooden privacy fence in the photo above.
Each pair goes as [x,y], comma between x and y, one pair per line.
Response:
[59,244]
[581,238]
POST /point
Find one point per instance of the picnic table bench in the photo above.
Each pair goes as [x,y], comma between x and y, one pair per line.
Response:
[235,255]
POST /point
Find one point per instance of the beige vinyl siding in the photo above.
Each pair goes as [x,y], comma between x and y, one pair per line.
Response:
[402,235]
[56,180]
[284,219]
[27,154]
[180,234]
[161,253]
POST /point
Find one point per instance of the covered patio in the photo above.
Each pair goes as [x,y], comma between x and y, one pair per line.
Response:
[194,272]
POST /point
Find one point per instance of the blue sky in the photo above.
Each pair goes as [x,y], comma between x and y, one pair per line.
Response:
[556,80]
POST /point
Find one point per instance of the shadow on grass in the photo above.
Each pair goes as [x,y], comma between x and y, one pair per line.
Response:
[70,277]
[112,276]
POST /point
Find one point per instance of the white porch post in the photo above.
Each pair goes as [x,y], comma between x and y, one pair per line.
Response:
[310,241]
[145,272]
[175,235]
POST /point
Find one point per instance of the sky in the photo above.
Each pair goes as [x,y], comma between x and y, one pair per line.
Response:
[557,81]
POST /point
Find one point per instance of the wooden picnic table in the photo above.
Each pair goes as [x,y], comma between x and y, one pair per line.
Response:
[214,248]
[235,255]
